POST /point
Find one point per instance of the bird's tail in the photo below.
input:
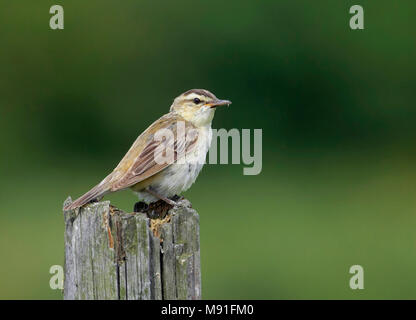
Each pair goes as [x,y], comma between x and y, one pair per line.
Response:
[95,193]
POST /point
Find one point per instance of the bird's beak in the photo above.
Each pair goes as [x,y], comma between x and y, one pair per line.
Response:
[217,103]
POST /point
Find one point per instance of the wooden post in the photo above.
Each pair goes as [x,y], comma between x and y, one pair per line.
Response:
[110,254]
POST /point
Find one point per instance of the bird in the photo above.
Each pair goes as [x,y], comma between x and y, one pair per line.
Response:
[182,136]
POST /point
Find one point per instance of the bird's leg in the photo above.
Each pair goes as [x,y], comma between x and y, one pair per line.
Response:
[168,201]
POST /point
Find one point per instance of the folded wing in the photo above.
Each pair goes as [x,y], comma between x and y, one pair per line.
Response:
[172,147]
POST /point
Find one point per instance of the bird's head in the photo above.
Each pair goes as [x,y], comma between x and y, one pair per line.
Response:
[197,106]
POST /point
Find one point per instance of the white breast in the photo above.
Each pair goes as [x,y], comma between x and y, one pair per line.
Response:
[179,177]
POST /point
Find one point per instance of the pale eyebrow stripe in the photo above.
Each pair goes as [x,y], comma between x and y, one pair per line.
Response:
[200,92]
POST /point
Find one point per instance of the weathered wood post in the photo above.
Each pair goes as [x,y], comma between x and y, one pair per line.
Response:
[110,254]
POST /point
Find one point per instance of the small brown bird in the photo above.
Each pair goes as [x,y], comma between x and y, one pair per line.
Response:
[144,168]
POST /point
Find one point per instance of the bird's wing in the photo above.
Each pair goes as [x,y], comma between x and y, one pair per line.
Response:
[143,159]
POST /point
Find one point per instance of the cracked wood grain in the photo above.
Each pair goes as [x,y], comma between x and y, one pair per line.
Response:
[110,254]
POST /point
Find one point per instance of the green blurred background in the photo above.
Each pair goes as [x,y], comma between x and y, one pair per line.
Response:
[336,107]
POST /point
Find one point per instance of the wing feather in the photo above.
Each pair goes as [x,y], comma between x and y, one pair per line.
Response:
[145,165]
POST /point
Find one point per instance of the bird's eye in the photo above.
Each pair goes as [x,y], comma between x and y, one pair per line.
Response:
[197,101]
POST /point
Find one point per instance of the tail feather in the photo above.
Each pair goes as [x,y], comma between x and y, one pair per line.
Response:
[97,192]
